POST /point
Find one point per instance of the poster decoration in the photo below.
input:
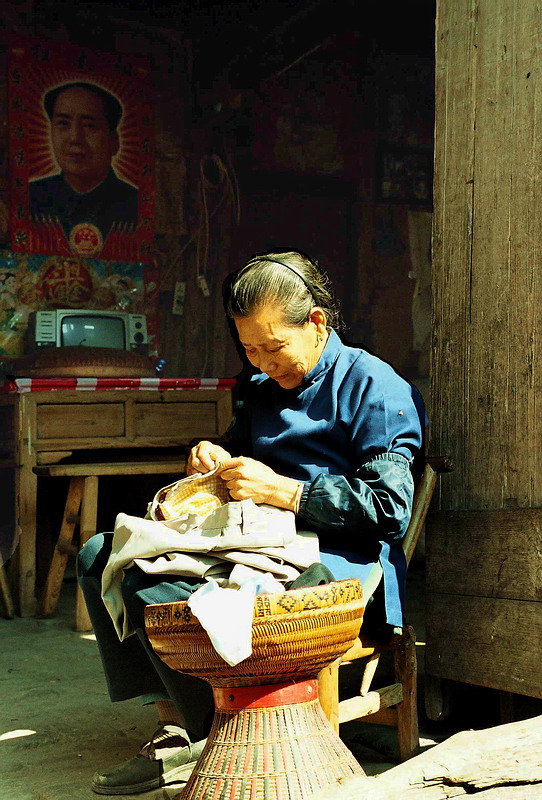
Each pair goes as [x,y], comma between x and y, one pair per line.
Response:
[32,282]
[81,149]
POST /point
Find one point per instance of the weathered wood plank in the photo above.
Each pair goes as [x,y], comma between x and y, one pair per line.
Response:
[487,285]
[486,641]
[490,285]
[452,237]
[502,298]
[490,553]
[501,763]
[523,480]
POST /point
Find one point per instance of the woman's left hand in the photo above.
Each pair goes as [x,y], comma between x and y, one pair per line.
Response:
[248,479]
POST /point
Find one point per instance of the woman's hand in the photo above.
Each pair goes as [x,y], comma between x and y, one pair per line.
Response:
[204,457]
[248,479]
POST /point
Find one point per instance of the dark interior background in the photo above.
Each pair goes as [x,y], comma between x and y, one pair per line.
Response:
[275,125]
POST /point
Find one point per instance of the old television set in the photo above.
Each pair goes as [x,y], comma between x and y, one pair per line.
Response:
[69,327]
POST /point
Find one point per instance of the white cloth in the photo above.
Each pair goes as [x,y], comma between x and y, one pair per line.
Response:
[226,612]
[262,538]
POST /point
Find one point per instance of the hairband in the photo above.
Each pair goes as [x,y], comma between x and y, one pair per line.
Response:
[306,281]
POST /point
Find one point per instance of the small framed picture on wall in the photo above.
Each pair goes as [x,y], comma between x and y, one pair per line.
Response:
[404,175]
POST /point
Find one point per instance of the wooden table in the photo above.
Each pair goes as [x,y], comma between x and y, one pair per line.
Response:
[43,427]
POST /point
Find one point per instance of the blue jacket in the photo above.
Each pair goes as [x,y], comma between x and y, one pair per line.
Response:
[350,433]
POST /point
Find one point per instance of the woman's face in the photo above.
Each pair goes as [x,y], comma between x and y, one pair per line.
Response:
[284,353]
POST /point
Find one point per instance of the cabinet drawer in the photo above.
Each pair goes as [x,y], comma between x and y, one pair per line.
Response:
[73,421]
[184,421]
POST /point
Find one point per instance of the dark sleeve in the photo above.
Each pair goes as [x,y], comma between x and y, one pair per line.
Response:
[376,503]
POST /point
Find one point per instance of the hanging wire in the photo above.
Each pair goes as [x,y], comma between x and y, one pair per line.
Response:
[214,176]
[227,180]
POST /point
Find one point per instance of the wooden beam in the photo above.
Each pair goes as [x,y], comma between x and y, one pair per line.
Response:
[164,467]
[357,707]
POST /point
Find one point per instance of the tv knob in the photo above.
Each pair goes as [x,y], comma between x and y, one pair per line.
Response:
[138,337]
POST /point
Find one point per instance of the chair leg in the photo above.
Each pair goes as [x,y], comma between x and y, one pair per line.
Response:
[63,548]
[438,703]
[368,674]
[328,693]
[87,528]
[407,710]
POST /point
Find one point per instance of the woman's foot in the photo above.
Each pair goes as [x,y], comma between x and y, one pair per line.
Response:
[169,757]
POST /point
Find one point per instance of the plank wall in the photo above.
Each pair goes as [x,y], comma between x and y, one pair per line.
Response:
[484,546]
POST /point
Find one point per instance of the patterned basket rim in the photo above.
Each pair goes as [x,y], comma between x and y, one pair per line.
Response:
[263,601]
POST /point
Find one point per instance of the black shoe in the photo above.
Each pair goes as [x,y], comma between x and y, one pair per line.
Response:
[147,770]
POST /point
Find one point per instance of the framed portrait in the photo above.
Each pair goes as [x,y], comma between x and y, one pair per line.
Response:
[404,175]
[81,151]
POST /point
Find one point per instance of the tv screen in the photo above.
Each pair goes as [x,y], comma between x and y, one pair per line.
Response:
[92,331]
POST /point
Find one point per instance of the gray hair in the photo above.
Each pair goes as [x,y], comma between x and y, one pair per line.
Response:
[288,279]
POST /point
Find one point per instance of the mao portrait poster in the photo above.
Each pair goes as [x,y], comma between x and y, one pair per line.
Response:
[81,149]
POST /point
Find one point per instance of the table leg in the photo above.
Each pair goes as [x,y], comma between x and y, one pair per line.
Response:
[26,501]
[87,528]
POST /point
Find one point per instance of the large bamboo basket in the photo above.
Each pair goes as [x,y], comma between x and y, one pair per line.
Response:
[294,635]
[270,739]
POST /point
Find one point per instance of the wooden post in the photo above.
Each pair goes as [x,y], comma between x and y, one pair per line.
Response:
[5,594]
[407,710]
[328,693]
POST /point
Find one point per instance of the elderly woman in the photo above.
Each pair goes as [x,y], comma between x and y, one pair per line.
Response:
[327,431]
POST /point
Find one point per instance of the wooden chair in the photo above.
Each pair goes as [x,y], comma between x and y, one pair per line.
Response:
[395,704]
[81,510]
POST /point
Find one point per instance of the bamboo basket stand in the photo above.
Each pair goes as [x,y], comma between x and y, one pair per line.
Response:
[270,739]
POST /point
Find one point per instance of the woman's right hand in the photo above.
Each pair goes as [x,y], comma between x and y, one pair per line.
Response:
[204,457]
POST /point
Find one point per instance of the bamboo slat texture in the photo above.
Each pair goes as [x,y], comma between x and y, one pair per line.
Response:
[270,739]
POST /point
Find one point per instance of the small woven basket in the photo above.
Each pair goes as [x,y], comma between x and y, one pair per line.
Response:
[294,634]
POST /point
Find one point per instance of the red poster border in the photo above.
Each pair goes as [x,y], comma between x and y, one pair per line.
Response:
[35,65]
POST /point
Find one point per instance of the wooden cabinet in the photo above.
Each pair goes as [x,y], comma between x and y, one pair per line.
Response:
[45,427]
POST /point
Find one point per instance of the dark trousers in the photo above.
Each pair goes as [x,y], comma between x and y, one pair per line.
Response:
[131,667]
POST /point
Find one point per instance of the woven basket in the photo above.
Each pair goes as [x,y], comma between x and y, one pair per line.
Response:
[78,362]
[271,754]
[294,635]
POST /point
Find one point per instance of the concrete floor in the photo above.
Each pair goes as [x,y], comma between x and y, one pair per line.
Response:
[57,724]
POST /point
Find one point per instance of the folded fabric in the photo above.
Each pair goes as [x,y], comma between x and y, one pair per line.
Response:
[232,524]
[238,524]
[174,547]
[226,612]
